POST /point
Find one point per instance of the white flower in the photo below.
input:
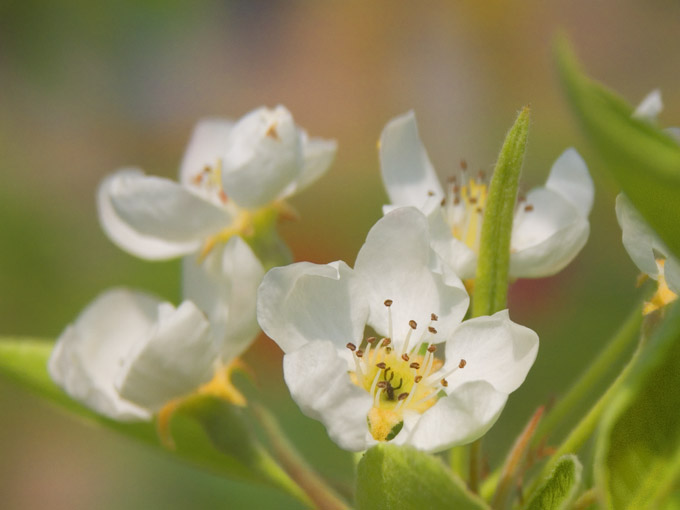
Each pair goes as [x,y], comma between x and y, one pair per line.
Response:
[649,109]
[649,253]
[128,354]
[392,387]
[550,225]
[229,172]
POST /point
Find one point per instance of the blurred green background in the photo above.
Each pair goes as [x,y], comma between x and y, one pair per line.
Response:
[87,87]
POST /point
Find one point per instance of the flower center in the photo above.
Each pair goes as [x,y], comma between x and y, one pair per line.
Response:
[663,295]
[399,377]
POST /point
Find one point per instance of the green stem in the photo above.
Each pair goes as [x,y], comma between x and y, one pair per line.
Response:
[279,478]
[626,334]
[475,453]
[323,496]
[584,429]
[586,500]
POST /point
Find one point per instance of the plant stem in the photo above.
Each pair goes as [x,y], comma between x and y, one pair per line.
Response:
[586,500]
[584,429]
[323,496]
[597,369]
[475,465]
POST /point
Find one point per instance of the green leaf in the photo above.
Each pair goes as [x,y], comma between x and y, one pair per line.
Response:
[198,426]
[491,282]
[559,489]
[638,444]
[643,159]
[392,476]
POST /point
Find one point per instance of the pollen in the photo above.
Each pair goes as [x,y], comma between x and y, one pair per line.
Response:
[464,205]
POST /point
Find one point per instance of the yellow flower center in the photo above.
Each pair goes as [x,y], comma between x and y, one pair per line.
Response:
[663,295]
[399,378]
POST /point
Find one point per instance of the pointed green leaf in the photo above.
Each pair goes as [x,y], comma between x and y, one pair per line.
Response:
[196,428]
[638,444]
[391,477]
[642,158]
[491,282]
[559,489]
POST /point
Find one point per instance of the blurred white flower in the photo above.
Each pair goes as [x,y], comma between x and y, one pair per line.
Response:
[550,225]
[128,354]
[649,253]
[229,172]
[392,387]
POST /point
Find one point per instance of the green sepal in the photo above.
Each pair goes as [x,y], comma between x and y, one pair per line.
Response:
[644,160]
[206,432]
[265,240]
[637,462]
[390,476]
[491,282]
[560,488]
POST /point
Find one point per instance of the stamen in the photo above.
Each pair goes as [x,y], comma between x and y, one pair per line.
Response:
[462,363]
[415,365]
[402,396]
[413,325]
[463,165]
[375,382]
[528,208]
[359,353]
[444,383]
[405,357]
[432,330]
[434,317]
[382,365]
[351,346]
[388,304]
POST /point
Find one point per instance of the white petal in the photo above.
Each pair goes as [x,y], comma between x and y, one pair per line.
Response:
[459,418]
[453,251]
[395,263]
[640,241]
[126,237]
[224,285]
[318,381]
[176,357]
[206,148]
[406,169]
[671,271]
[306,302]
[264,155]
[318,155]
[88,354]
[650,107]
[547,238]
[570,178]
[155,218]
[495,349]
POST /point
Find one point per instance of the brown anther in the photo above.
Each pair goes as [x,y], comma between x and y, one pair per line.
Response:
[473,200]
[434,317]
[413,324]
[456,189]
[388,302]
[415,365]
[371,339]
[359,353]
[432,330]
[351,347]
[480,210]
[418,378]
[386,342]
[456,201]
[430,193]
[431,348]
[382,365]
[444,383]
[481,175]
[528,208]
[463,164]
[462,363]
[223,196]
[443,202]
[405,357]
[382,384]
[521,198]
[402,396]
[197,178]
[388,350]
[272,133]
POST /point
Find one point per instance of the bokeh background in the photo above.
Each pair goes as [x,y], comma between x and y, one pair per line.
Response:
[87,87]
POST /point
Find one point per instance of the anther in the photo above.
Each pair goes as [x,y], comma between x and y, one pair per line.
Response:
[413,324]
[455,189]
[456,201]
[443,202]
[223,196]
[528,208]
[359,353]
[430,193]
[431,348]
[386,342]
[402,396]
[382,384]
[481,175]
[405,357]
[432,330]
[388,302]
[444,383]
[382,365]
[371,339]
[415,365]
[480,210]
[472,200]
[434,317]
[462,363]
[351,347]
[418,378]
[463,164]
